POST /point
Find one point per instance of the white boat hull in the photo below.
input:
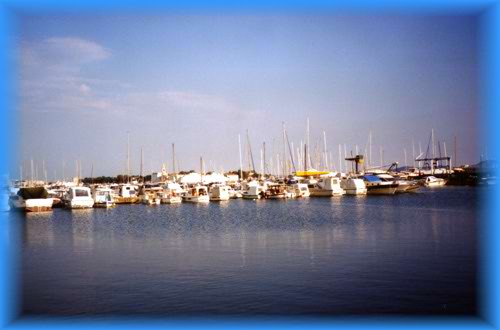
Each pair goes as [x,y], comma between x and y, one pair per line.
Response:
[219,198]
[435,184]
[39,205]
[196,199]
[107,204]
[356,191]
[381,190]
[248,196]
[325,193]
[171,200]
[81,204]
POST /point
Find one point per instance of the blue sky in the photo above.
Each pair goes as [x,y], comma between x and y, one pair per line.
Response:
[200,79]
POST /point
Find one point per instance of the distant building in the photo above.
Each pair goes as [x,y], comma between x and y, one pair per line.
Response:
[232,178]
[193,178]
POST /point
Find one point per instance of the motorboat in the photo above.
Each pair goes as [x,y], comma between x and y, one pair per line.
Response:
[57,196]
[196,194]
[127,194]
[377,186]
[219,193]
[151,198]
[276,191]
[432,181]
[326,187]
[78,198]
[172,193]
[253,190]
[300,189]
[31,199]
[233,193]
[353,186]
[103,197]
[151,194]
[403,185]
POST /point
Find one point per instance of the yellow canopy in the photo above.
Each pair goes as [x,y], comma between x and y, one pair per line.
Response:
[310,173]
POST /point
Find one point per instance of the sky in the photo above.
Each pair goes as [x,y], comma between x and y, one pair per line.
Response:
[200,79]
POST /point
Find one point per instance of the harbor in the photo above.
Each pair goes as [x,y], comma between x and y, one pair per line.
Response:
[239,243]
[296,176]
[244,166]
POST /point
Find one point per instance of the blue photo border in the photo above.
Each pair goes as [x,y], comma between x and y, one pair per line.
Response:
[489,50]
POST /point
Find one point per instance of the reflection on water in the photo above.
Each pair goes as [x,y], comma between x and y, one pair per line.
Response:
[412,253]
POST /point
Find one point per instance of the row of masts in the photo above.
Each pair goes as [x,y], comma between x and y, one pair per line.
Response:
[291,159]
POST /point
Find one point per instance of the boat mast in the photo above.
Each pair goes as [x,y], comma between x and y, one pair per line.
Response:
[308,143]
[433,146]
[43,170]
[261,162]
[345,156]
[324,148]
[284,151]
[77,173]
[142,161]
[340,158]
[173,159]
[241,161]
[455,160]
[413,151]
[277,164]
[128,157]
[264,155]
[446,154]
[201,170]
[305,157]
[370,163]
[381,158]
[250,150]
[290,150]
[32,170]
[92,173]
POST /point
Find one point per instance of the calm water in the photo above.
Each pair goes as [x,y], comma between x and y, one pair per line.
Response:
[413,253]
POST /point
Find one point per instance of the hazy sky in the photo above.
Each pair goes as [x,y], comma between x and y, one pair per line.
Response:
[199,80]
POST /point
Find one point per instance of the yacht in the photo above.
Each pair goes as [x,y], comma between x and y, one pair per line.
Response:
[326,187]
[403,185]
[376,186]
[78,198]
[196,194]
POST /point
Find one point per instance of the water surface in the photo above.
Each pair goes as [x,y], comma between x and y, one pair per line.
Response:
[404,254]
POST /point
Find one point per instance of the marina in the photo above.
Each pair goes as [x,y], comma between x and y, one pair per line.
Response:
[289,180]
[205,244]
[186,165]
